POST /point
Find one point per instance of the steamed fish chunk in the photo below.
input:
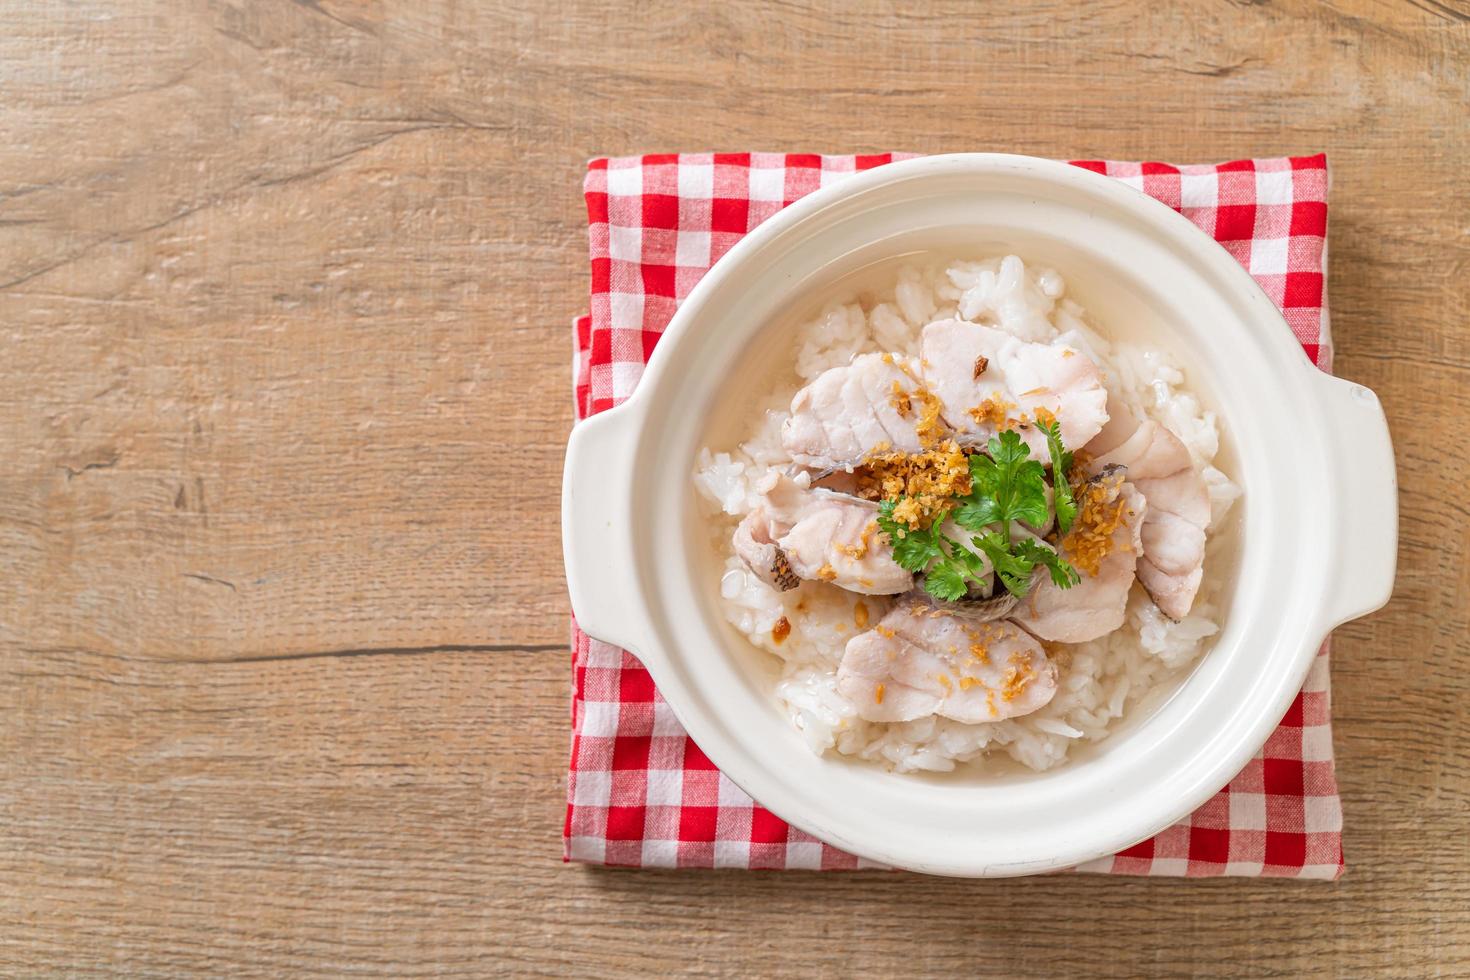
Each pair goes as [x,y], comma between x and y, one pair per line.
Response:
[800,533]
[1150,452]
[922,659]
[1098,604]
[985,377]
[1120,425]
[846,412]
[1171,565]
[755,546]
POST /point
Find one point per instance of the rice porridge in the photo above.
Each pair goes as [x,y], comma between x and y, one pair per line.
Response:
[971,527]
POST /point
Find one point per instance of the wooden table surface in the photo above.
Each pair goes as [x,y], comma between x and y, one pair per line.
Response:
[284,293]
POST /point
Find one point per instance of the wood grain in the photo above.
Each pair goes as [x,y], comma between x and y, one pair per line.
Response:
[284,294]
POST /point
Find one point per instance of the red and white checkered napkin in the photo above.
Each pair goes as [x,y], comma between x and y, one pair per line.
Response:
[640,792]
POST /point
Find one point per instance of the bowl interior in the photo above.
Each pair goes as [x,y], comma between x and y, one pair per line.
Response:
[1111,295]
[732,344]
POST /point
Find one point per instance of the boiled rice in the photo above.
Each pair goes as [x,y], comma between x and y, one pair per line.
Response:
[1099,680]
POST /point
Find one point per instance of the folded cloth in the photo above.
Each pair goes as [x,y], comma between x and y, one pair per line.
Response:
[639,792]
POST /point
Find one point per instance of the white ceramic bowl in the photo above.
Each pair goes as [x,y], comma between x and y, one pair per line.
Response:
[1316,538]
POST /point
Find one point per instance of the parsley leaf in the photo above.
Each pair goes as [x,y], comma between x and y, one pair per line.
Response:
[1016,561]
[974,565]
[946,580]
[1061,463]
[947,567]
[1007,449]
[1029,488]
[1004,487]
[1063,575]
[1013,570]
[981,506]
[913,550]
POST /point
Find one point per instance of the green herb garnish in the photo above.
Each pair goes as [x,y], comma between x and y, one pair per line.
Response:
[1009,486]
[1063,575]
[946,580]
[1005,486]
[948,568]
[1061,464]
[913,549]
[1013,570]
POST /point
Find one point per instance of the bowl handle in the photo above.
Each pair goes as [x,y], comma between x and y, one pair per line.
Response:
[1364,488]
[596,531]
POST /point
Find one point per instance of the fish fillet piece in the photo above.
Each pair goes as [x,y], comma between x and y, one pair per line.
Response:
[923,659]
[1098,604]
[1001,377]
[1171,564]
[755,546]
[801,533]
[847,412]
